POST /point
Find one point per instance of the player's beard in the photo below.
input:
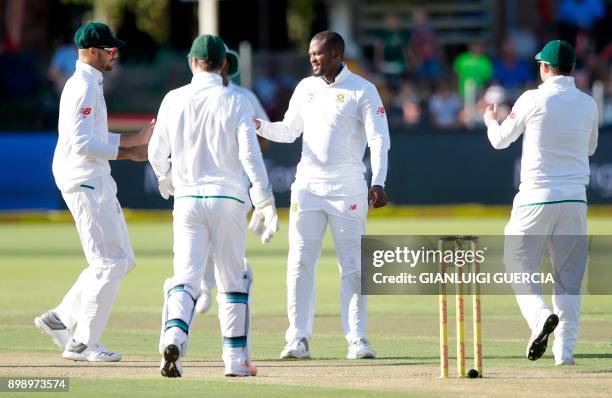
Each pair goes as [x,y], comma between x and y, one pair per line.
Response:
[109,65]
[103,63]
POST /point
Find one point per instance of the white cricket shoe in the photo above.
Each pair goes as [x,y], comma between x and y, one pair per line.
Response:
[566,362]
[96,353]
[237,362]
[171,363]
[360,349]
[240,370]
[297,349]
[49,324]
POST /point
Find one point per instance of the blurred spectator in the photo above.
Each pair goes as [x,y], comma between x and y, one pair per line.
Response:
[576,15]
[274,90]
[545,10]
[423,48]
[511,73]
[606,53]
[473,64]
[63,63]
[408,103]
[524,43]
[445,106]
[391,50]
[602,31]
[494,95]
[580,13]
[582,79]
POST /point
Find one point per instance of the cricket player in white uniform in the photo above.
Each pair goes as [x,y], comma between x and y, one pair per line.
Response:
[339,113]
[209,133]
[229,70]
[82,173]
[559,124]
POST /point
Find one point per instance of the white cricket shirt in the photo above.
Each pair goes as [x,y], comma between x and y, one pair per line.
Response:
[209,132]
[338,120]
[84,145]
[560,127]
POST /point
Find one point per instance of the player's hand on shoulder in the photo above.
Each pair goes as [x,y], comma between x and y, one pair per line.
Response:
[377,197]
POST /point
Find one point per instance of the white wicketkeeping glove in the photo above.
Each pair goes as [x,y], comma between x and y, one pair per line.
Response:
[264,221]
[166,188]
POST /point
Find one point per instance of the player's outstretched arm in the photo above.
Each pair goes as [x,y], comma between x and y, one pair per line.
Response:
[141,138]
[287,130]
[137,153]
[501,136]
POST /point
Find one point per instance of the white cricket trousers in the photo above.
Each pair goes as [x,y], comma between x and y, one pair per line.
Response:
[309,216]
[205,224]
[106,244]
[560,229]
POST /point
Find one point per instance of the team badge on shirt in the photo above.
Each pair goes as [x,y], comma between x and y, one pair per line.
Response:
[340,98]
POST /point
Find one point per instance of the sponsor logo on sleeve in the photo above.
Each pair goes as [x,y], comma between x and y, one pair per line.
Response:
[85,112]
[380,111]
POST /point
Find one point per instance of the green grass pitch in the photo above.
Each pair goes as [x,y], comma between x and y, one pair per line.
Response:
[40,261]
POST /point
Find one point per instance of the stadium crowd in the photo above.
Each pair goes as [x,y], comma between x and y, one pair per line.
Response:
[424,87]
[424,83]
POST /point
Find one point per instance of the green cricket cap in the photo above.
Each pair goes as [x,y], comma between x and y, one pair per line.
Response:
[232,61]
[209,48]
[558,54]
[96,34]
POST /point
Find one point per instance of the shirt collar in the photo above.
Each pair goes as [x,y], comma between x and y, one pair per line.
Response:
[89,72]
[343,75]
[207,79]
[562,82]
